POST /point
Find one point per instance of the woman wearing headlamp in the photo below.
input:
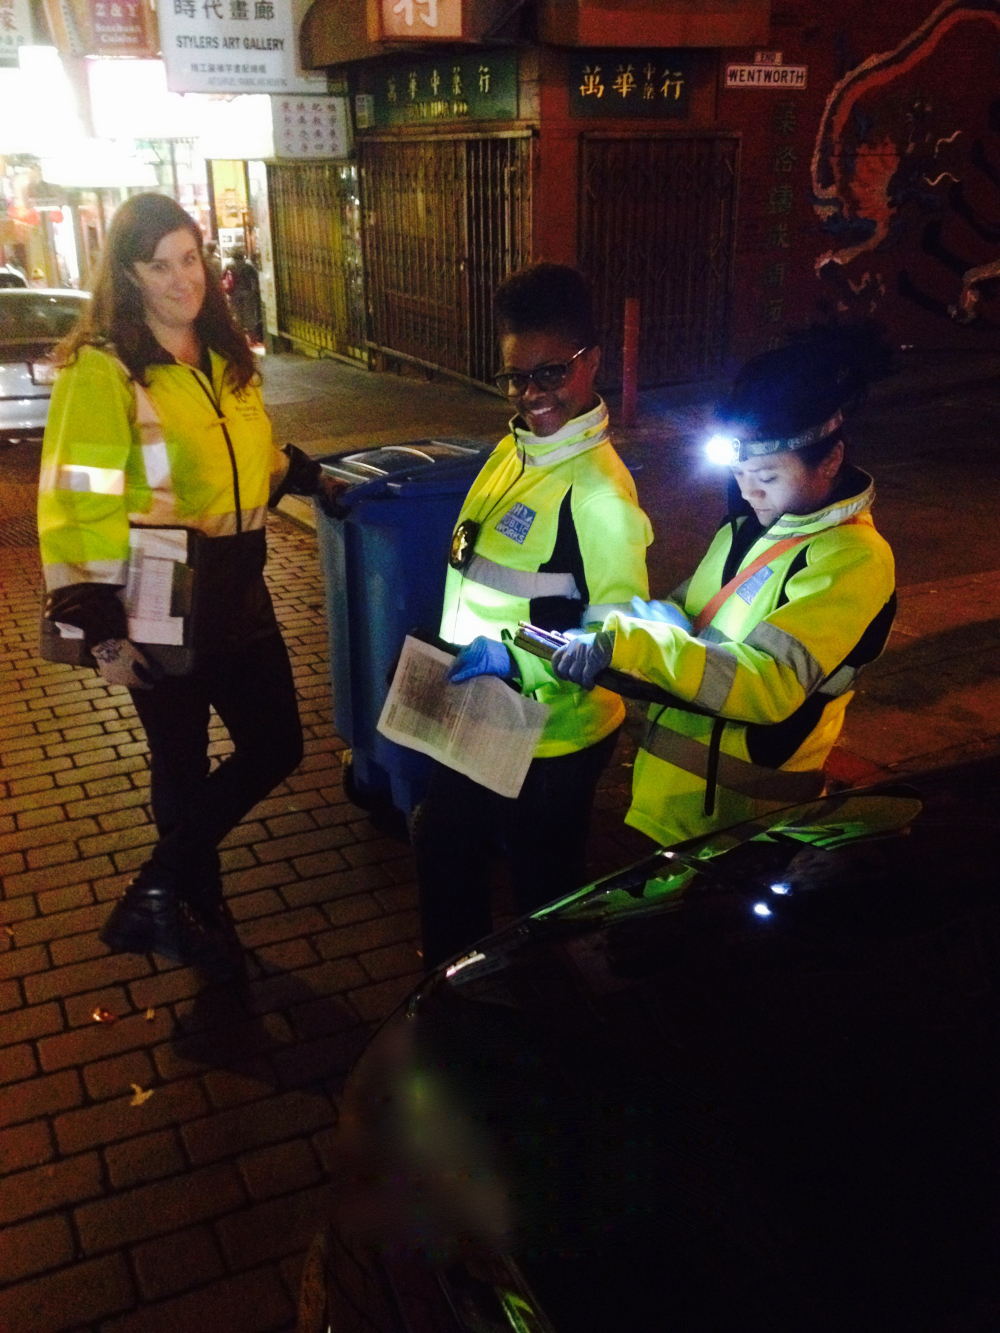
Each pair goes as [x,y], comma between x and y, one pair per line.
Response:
[794,596]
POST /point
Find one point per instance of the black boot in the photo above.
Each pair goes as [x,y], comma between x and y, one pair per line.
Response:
[205,898]
[152,917]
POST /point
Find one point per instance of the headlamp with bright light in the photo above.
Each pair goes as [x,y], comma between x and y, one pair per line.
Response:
[724,450]
[728,450]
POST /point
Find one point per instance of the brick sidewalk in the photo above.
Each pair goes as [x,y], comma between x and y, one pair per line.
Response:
[191,1210]
[213,1185]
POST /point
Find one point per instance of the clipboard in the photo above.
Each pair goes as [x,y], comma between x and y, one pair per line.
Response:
[160,597]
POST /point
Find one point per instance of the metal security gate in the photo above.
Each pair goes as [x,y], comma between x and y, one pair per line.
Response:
[445,220]
[316,219]
[657,221]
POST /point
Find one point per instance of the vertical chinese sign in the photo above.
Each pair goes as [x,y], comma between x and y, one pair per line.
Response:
[15,29]
[623,84]
[778,233]
[231,46]
[416,19]
[310,127]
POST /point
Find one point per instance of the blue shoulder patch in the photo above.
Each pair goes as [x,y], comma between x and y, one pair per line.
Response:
[749,590]
[516,523]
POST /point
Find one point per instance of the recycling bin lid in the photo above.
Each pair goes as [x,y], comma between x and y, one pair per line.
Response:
[391,462]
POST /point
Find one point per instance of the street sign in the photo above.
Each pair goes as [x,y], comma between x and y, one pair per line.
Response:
[625,85]
[784,78]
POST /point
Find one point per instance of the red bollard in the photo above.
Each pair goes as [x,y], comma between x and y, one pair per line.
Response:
[630,359]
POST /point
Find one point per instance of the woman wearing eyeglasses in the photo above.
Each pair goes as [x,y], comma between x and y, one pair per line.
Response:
[550,532]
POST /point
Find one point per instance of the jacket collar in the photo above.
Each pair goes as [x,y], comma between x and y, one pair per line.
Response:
[576,437]
[853,495]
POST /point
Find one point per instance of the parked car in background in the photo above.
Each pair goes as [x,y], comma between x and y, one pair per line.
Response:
[11,277]
[32,321]
[744,1091]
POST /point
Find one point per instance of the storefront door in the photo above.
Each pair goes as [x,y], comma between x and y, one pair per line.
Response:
[445,220]
[315,221]
[657,222]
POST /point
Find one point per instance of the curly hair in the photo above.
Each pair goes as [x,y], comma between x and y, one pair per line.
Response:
[546,298]
[116,318]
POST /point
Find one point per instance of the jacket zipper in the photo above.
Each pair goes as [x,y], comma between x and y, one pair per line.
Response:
[210,394]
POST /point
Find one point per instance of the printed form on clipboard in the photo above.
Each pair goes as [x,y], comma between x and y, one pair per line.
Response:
[157,558]
[481,727]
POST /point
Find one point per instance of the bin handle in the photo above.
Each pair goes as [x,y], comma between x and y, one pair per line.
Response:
[367,490]
[412,449]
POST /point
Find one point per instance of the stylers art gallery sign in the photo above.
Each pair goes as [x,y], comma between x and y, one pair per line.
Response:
[232,46]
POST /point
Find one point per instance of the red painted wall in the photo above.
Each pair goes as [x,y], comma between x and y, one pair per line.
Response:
[878,200]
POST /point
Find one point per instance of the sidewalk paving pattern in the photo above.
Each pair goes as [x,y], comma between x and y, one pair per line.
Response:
[190,1208]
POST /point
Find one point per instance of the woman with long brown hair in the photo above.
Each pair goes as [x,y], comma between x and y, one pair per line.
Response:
[157,421]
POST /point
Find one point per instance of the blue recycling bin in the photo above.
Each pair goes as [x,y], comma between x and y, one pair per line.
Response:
[384,561]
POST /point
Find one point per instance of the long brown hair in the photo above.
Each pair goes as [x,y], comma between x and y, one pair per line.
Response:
[115,316]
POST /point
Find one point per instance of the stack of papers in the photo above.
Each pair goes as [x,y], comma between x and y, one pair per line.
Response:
[481,728]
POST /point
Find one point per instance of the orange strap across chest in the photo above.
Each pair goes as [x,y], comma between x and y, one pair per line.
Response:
[708,612]
[711,608]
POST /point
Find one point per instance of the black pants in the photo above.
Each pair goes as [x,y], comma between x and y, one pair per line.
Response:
[544,833]
[253,693]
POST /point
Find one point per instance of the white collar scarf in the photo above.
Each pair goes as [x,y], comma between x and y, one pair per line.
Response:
[576,437]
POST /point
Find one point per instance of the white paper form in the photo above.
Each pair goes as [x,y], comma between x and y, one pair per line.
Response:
[153,554]
[481,727]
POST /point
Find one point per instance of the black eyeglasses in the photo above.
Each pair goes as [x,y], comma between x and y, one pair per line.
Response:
[544,378]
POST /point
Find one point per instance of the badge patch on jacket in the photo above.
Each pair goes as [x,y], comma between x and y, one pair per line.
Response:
[749,590]
[516,523]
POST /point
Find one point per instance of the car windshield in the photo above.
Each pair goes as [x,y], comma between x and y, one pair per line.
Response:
[37,316]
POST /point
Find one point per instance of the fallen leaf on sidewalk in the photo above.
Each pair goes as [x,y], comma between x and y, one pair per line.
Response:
[150,1015]
[140,1095]
[103,1015]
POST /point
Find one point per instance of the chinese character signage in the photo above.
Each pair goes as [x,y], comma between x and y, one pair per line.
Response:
[231,46]
[450,87]
[619,83]
[15,29]
[421,19]
[310,126]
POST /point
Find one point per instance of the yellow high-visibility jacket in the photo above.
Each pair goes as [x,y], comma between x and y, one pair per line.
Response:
[561,541]
[188,450]
[775,669]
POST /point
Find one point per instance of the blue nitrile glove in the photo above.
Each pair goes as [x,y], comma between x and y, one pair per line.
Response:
[481,657]
[665,612]
[583,660]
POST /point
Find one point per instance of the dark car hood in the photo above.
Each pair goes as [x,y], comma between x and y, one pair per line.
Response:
[780,1119]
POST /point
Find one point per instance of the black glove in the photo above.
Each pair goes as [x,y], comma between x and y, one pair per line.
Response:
[93,607]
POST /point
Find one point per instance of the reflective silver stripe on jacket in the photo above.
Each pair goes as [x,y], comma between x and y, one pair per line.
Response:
[563,452]
[839,683]
[789,651]
[520,582]
[63,575]
[762,784]
[597,612]
[712,635]
[718,677]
